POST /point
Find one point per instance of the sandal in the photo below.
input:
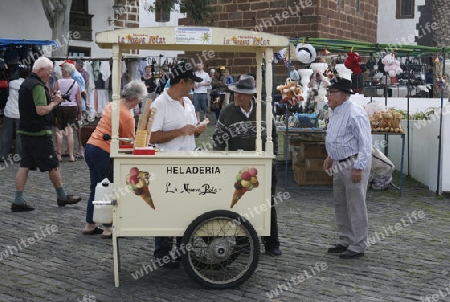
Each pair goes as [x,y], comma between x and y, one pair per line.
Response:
[79,156]
[107,236]
[107,233]
[73,159]
[95,231]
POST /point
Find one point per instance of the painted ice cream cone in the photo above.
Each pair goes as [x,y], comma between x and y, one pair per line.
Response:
[139,182]
[236,196]
[147,197]
[246,180]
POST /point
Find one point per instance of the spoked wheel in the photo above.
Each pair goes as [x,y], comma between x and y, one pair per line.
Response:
[223,249]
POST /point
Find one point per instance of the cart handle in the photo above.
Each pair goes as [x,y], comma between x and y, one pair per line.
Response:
[107,137]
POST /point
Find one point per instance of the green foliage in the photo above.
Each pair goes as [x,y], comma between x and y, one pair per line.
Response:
[418,115]
[198,10]
[402,112]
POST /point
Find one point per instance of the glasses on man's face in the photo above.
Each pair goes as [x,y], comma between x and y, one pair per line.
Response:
[332,91]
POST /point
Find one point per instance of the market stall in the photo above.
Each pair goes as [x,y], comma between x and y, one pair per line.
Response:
[407,78]
[15,52]
[189,194]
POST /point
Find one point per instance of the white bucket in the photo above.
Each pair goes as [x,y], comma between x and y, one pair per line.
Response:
[103,207]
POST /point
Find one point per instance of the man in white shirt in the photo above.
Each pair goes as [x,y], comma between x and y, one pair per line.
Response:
[12,116]
[349,147]
[201,91]
[174,129]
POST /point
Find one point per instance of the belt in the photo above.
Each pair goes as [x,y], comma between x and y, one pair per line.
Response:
[348,158]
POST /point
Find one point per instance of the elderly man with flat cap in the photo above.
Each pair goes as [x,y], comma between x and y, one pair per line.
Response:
[349,147]
[236,129]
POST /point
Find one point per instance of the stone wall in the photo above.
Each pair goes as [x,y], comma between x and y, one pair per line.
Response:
[127,17]
[440,13]
[313,18]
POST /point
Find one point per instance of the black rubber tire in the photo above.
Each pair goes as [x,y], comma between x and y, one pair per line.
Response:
[236,256]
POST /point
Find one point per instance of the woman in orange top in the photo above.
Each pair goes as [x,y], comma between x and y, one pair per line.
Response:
[97,150]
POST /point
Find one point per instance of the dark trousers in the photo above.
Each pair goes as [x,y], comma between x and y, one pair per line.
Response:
[99,163]
[163,245]
[272,240]
[10,126]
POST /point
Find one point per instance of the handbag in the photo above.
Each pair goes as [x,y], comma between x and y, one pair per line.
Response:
[4,84]
[57,107]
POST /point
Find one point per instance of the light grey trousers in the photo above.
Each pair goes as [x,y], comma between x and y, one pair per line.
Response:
[350,206]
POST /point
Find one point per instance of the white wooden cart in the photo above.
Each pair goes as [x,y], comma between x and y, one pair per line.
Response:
[192,191]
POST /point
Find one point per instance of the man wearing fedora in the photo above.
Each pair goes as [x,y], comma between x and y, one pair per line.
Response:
[233,131]
[349,147]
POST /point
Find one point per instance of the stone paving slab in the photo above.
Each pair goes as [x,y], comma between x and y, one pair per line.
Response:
[409,263]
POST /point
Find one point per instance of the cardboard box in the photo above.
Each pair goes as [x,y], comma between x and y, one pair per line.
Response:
[312,150]
[296,138]
[311,176]
[314,163]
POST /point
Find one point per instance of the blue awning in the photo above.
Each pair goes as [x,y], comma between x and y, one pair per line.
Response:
[4,42]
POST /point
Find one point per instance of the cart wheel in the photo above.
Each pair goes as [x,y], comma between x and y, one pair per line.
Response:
[223,249]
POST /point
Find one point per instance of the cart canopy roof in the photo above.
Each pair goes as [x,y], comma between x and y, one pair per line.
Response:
[4,42]
[192,38]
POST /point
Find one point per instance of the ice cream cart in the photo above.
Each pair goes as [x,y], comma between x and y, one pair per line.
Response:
[193,194]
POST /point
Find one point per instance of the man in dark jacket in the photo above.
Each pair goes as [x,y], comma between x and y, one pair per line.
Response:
[35,129]
[234,124]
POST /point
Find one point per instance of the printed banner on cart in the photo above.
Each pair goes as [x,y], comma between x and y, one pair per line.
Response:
[165,195]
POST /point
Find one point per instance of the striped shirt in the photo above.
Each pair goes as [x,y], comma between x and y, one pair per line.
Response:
[349,133]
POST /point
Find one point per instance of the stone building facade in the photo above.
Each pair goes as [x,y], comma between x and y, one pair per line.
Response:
[441,38]
[336,19]
[440,13]
[126,16]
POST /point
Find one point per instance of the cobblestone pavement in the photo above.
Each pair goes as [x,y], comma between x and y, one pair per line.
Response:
[407,261]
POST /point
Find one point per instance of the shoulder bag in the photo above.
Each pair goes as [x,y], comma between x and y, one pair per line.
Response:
[4,84]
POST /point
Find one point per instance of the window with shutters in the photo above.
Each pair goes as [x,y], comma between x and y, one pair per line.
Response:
[405,9]
[80,24]
[160,14]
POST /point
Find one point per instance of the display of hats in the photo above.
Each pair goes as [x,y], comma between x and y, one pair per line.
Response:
[306,53]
